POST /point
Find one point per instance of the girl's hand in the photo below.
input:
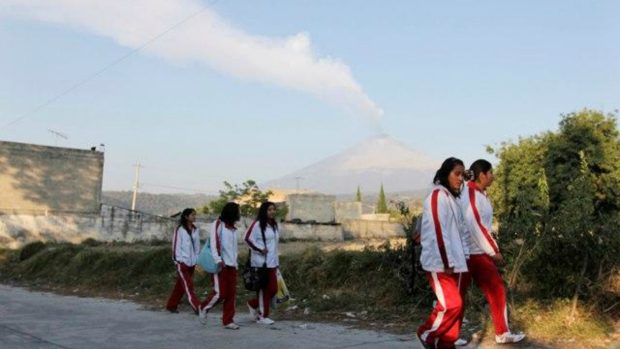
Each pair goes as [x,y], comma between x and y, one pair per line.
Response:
[498,259]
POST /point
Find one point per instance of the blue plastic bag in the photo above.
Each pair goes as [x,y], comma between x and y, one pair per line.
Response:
[206,261]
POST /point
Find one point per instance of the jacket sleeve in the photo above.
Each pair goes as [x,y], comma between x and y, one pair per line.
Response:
[441,215]
[252,235]
[479,232]
[213,237]
[181,250]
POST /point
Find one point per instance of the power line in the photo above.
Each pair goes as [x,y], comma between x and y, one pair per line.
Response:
[102,70]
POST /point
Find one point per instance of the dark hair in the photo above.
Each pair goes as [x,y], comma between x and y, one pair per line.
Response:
[262,215]
[478,167]
[183,222]
[441,176]
[230,213]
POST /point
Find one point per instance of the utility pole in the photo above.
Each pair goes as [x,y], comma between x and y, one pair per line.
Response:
[136,185]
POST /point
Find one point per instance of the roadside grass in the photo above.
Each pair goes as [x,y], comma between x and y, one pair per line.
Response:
[363,288]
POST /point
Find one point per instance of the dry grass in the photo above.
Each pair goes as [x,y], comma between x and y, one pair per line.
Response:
[361,284]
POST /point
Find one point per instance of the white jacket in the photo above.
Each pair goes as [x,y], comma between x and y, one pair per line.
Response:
[478,217]
[224,243]
[254,239]
[441,233]
[185,248]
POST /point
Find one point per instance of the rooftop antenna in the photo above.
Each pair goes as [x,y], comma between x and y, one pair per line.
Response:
[57,136]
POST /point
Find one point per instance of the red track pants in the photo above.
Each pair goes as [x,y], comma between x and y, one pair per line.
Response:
[224,290]
[444,324]
[184,285]
[263,298]
[484,272]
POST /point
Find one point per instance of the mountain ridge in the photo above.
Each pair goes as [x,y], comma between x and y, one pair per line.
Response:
[368,164]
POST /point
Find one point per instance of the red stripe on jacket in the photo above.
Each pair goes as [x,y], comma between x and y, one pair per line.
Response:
[485,232]
[442,247]
[247,237]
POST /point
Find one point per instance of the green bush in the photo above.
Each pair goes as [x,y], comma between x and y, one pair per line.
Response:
[31,249]
[557,199]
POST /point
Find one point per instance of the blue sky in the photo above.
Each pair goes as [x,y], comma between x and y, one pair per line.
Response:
[448,77]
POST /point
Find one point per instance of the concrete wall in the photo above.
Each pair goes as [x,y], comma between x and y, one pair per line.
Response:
[36,179]
[125,225]
[118,224]
[384,217]
[366,229]
[111,224]
[320,232]
[311,207]
[348,210]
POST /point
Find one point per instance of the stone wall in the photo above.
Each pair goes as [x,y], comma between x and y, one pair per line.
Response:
[119,224]
[111,224]
[126,225]
[384,217]
[317,232]
[37,179]
[348,210]
[366,229]
[311,207]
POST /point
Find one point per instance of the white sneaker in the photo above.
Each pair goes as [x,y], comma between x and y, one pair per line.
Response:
[265,321]
[202,316]
[253,312]
[232,326]
[461,342]
[509,337]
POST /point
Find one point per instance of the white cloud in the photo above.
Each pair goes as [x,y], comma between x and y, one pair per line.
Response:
[289,62]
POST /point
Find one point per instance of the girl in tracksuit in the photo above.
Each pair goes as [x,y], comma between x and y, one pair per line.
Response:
[185,250]
[484,251]
[262,237]
[443,256]
[224,250]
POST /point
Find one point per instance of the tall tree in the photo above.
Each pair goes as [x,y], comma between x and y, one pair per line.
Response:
[248,195]
[557,199]
[381,203]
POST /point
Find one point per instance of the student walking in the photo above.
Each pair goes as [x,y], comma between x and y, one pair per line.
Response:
[485,255]
[224,250]
[443,256]
[262,237]
[185,250]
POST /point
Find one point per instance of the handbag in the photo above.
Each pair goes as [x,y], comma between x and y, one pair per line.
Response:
[205,257]
[255,278]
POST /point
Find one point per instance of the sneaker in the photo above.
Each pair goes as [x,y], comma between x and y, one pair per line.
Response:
[231,326]
[265,321]
[423,343]
[509,337]
[253,312]
[461,342]
[174,311]
[202,316]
